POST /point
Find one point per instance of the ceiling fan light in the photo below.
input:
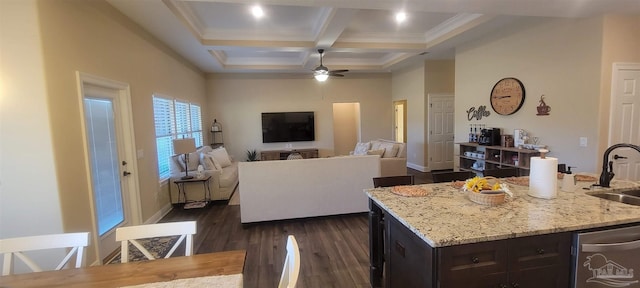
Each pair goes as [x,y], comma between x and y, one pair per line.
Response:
[321,77]
[257,11]
[401,17]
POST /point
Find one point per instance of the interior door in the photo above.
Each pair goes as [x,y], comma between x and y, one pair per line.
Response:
[107,164]
[441,131]
[111,159]
[625,119]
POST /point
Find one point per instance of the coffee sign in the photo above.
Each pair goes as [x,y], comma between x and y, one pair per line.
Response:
[478,113]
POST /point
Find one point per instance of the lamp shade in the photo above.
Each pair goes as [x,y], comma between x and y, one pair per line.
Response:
[184,145]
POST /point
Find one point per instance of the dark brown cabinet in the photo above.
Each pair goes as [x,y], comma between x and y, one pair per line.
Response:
[283,154]
[409,258]
[533,261]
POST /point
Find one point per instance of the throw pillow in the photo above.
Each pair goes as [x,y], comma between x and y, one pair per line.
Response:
[221,156]
[390,152]
[376,152]
[209,162]
[362,148]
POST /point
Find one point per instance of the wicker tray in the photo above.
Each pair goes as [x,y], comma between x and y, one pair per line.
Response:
[487,199]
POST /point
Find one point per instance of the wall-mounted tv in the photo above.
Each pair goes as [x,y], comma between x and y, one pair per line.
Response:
[288,127]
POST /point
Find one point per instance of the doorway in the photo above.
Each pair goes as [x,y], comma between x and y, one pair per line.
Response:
[108,130]
[441,131]
[400,120]
[346,127]
[624,122]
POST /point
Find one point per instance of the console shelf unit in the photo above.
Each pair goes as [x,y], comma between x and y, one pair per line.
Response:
[496,157]
[283,154]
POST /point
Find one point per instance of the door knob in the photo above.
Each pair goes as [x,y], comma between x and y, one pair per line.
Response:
[124,163]
[126,173]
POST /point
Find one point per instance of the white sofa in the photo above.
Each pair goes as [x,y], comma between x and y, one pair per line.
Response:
[393,155]
[287,189]
[223,181]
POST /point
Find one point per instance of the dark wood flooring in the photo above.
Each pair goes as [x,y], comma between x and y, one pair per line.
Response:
[334,250]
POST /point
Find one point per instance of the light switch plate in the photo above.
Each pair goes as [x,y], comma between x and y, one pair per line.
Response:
[583,141]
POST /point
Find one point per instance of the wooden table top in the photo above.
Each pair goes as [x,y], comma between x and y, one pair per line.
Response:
[134,273]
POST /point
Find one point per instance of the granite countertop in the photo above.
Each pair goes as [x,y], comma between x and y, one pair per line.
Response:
[447,217]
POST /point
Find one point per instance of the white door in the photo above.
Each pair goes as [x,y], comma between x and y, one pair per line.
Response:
[625,119]
[110,165]
[441,131]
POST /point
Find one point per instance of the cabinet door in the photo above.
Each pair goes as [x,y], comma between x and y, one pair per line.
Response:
[540,261]
[409,260]
[473,265]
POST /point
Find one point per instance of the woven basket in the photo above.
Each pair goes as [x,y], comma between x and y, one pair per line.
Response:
[487,199]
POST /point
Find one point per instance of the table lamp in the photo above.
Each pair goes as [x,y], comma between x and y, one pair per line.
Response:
[185,146]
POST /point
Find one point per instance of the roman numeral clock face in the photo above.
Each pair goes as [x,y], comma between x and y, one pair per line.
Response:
[507,96]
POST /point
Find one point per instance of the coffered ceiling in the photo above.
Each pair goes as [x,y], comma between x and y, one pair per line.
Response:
[360,35]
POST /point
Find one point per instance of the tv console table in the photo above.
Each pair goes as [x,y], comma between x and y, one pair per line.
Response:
[283,154]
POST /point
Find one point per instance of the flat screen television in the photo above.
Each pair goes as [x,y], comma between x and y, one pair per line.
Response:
[288,127]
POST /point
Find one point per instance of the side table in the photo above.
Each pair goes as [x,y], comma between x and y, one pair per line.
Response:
[182,190]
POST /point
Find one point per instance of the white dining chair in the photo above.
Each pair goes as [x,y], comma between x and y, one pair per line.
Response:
[11,247]
[291,268]
[185,230]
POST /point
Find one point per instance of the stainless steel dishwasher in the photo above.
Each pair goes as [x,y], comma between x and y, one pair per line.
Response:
[608,258]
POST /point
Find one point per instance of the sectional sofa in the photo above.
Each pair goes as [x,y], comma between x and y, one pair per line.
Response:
[287,189]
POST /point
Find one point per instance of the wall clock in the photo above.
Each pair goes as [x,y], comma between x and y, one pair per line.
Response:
[507,96]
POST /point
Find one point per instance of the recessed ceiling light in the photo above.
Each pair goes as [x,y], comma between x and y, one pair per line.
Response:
[257,11]
[400,17]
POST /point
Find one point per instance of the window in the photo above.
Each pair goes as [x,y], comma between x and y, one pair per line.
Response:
[174,119]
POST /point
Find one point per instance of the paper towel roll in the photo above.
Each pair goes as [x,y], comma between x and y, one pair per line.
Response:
[543,178]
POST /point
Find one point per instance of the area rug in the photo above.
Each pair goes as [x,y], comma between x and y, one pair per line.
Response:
[158,246]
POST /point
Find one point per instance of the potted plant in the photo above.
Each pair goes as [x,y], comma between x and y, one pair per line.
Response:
[252,155]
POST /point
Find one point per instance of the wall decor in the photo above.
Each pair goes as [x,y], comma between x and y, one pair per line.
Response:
[507,96]
[543,108]
[477,113]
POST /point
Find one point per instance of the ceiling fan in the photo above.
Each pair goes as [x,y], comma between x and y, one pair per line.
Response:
[321,73]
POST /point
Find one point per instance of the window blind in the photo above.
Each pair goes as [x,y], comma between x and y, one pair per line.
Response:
[174,119]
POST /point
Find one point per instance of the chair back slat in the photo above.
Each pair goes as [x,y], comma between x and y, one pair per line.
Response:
[393,181]
[11,247]
[185,230]
[502,172]
[291,269]
[439,177]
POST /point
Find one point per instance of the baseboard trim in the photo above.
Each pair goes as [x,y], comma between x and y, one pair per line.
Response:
[417,167]
[161,213]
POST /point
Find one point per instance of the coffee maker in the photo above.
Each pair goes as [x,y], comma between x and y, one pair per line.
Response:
[490,137]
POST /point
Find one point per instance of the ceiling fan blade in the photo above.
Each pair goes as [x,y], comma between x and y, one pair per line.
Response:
[335,75]
[339,71]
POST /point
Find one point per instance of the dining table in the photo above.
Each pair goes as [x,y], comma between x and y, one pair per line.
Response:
[209,269]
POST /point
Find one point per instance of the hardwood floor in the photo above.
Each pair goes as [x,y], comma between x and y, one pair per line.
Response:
[334,250]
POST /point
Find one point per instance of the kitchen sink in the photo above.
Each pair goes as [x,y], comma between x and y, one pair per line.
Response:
[618,197]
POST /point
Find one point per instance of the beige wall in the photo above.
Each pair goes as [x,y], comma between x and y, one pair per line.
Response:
[439,76]
[620,43]
[408,84]
[92,37]
[345,127]
[237,101]
[29,202]
[557,58]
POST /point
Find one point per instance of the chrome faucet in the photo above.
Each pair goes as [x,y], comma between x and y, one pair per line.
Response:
[607,166]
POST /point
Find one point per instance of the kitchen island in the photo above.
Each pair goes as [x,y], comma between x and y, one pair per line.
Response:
[445,240]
